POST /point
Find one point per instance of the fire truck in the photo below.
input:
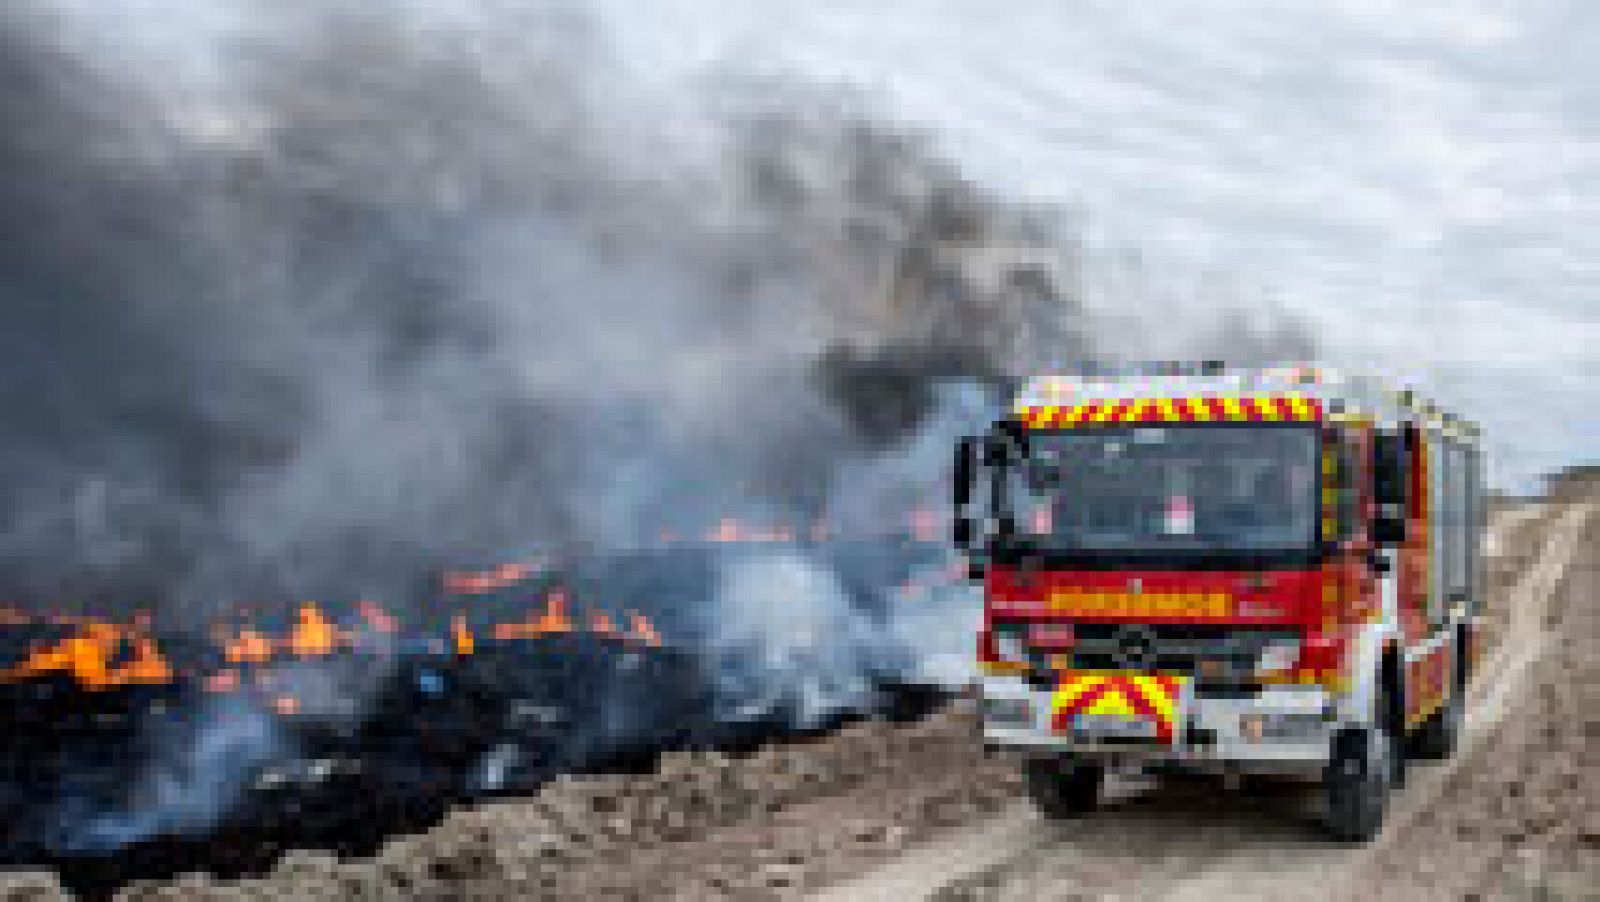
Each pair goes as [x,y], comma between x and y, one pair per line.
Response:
[1193,568]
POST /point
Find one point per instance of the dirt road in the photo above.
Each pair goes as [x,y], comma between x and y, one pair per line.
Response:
[1185,842]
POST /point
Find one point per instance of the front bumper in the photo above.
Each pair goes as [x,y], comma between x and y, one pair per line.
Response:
[1279,727]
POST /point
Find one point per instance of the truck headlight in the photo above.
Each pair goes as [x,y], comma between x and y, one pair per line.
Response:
[1285,725]
[1012,712]
[1278,657]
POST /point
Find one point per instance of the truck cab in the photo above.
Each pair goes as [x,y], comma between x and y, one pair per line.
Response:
[1270,570]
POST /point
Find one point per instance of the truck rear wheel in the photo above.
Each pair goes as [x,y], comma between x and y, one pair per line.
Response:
[1357,782]
[1063,787]
[1436,739]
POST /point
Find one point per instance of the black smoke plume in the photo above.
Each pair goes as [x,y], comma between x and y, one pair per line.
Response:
[386,287]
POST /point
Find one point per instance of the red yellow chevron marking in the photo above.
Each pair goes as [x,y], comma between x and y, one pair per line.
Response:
[1134,696]
[1265,408]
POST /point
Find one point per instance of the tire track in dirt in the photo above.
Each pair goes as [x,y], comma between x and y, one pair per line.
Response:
[1498,681]
[1520,815]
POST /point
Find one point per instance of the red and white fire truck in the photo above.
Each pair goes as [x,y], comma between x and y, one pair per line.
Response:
[1239,570]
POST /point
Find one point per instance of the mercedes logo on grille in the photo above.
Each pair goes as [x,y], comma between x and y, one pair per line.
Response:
[1135,648]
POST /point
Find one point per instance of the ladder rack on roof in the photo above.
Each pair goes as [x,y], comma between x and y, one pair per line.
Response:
[1363,391]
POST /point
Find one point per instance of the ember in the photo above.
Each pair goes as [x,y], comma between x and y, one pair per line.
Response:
[464,582]
[461,636]
[377,617]
[222,681]
[643,630]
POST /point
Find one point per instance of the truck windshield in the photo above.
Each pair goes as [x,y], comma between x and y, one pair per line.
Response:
[1197,488]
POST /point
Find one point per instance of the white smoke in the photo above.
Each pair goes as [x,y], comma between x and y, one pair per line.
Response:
[198,773]
[788,638]
[787,633]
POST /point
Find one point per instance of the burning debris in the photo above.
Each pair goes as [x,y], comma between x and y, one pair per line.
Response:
[140,733]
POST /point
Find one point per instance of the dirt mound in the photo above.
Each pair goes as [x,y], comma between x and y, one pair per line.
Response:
[699,824]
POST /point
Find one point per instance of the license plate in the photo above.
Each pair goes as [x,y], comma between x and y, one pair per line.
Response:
[1103,726]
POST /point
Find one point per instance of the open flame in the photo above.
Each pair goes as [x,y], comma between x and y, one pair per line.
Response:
[553,619]
[314,635]
[99,655]
[248,647]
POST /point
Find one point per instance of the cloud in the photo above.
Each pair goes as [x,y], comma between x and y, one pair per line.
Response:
[1418,180]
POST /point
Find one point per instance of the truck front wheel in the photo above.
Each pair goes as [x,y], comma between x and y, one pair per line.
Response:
[1357,781]
[1063,787]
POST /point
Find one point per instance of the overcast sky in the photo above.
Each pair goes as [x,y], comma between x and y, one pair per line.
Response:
[1420,181]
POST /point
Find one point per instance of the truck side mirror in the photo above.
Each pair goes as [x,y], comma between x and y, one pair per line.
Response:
[1391,470]
[964,526]
[961,478]
[1388,529]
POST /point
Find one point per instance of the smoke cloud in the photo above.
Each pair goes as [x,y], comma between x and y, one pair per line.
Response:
[300,299]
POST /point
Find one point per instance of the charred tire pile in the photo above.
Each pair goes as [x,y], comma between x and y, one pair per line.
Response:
[60,742]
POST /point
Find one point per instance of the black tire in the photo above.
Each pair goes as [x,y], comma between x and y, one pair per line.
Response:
[1357,781]
[1063,787]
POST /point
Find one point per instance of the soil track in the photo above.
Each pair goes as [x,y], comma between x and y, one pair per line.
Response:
[1183,843]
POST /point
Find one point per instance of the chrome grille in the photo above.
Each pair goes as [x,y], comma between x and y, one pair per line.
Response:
[1168,648]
